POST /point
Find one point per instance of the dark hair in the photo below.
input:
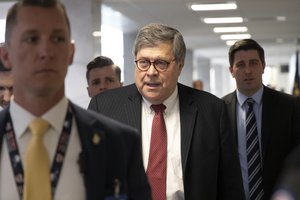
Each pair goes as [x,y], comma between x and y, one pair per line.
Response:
[3,68]
[246,44]
[153,34]
[100,62]
[11,18]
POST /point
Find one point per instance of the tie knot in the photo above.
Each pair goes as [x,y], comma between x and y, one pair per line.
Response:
[160,108]
[250,102]
[38,126]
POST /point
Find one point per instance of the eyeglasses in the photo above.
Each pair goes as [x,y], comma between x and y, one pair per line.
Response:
[159,65]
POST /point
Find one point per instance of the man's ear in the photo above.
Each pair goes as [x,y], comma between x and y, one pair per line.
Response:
[231,71]
[264,66]
[4,56]
[72,52]
[89,92]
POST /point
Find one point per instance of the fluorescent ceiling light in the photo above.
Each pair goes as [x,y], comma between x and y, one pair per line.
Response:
[97,33]
[2,30]
[211,6]
[235,36]
[230,29]
[220,20]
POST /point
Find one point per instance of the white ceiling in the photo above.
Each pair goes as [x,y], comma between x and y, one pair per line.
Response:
[260,15]
[260,18]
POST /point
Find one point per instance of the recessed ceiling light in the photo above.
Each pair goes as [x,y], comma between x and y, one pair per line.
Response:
[279,40]
[214,6]
[230,29]
[281,18]
[220,20]
[235,36]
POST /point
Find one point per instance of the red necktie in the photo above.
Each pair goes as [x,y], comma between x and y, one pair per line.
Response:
[157,163]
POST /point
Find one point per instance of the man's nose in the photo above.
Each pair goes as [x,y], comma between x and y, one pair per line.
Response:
[247,69]
[46,49]
[7,95]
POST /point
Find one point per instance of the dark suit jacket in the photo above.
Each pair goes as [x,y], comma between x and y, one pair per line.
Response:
[290,177]
[117,156]
[280,131]
[208,152]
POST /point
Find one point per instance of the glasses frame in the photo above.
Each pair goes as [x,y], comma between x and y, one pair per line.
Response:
[153,63]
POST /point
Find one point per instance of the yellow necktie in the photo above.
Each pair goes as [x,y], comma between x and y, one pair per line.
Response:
[37,184]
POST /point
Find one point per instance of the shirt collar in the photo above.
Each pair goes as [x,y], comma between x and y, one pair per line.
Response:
[21,117]
[169,102]
[257,96]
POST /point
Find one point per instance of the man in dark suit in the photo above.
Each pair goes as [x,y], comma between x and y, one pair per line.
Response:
[276,113]
[287,187]
[89,155]
[202,161]
[6,89]
[102,74]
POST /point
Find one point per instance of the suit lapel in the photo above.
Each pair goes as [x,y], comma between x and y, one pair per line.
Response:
[3,117]
[93,153]
[187,120]
[267,109]
[231,108]
[133,108]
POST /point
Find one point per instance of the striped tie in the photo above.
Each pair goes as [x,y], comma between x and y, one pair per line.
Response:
[256,191]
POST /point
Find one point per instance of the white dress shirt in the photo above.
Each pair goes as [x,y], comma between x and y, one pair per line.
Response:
[70,184]
[172,119]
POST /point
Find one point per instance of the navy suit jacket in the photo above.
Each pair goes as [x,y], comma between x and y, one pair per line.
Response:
[116,156]
[280,131]
[208,151]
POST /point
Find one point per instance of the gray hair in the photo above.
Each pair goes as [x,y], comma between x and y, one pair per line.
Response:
[153,34]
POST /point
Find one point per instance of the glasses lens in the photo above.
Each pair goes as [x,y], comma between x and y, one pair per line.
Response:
[143,64]
[161,64]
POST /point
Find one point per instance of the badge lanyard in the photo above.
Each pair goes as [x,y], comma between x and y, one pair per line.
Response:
[58,160]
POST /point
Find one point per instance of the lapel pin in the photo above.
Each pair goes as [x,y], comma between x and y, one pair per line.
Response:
[96,138]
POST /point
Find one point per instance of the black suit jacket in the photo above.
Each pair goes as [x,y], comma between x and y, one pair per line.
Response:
[116,156]
[290,177]
[208,152]
[280,131]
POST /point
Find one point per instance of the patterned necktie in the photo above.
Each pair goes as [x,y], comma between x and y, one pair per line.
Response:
[256,191]
[156,170]
[37,184]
